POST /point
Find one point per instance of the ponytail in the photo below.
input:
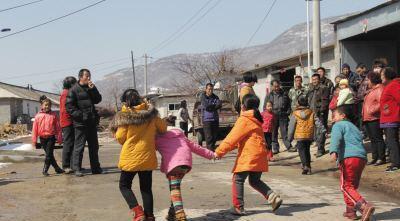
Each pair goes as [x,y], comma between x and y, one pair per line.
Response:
[252,102]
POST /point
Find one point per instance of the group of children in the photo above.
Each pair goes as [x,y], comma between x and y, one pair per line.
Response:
[140,131]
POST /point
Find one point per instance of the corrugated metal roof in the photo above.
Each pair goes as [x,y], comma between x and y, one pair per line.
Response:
[365,12]
[14,91]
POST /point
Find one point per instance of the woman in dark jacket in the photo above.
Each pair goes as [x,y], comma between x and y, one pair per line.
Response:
[66,125]
[390,115]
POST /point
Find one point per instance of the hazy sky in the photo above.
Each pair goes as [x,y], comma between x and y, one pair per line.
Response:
[108,31]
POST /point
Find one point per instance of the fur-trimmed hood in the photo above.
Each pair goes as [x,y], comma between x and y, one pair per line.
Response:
[137,115]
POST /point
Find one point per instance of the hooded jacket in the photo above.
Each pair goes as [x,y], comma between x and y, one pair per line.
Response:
[345,97]
[304,125]
[136,129]
[247,135]
[390,103]
[246,89]
[371,105]
[46,125]
[176,150]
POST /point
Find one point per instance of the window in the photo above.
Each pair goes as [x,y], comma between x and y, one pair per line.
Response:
[172,107]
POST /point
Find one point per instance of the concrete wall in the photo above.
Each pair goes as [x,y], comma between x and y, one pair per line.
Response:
[30,107]
[162,105]
[5,111]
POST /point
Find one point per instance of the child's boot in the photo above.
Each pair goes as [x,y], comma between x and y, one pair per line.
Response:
[366,209]
[138,214]
[180,216]
[275,201]
[238,211]
[171,214]
[150,218]
[350,213]
[46,168]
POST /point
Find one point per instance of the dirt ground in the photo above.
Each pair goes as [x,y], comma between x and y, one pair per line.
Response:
[26,195]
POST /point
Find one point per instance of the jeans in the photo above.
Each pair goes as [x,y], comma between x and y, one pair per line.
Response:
[254,181]
[304,152]
[210,129]
[392,140]
[375,134]
[145,181]
[280,123]
[184,127]
[83,134]
[48,147]
[68,146]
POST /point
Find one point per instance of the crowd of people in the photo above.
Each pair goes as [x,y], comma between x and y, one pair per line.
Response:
[366,99]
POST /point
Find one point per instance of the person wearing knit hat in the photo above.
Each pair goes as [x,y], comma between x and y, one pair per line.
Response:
[354,79]
[346,98]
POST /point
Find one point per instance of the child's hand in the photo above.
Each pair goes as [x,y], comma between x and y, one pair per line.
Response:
[334,157]
[216,157]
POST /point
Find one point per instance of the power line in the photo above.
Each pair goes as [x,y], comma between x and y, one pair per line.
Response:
[188,28]
[53,20]
[183,26]
[19,6]
[261,23]
[63,69]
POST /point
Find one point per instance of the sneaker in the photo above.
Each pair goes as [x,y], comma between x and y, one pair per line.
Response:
[367,211]
[275,201]
[350,213]
[98,171]
[391,169]
[79,174]
[68,170]
[379,162]
[180,216]
[150,218]
[238,211]
[138,214]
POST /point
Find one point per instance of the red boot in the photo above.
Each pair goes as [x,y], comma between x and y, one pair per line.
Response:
[138,214]
[350,213]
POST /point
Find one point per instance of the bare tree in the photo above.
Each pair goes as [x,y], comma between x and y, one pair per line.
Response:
[57,86]
[211,68]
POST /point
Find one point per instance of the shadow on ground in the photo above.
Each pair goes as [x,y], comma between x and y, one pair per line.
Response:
[388,215]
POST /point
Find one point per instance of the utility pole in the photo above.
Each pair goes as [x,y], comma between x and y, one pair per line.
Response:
[145,74]
[308,42]
[316,34]
[133,71]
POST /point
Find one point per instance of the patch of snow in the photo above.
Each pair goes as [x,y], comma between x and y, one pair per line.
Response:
[17,146]
[2,165]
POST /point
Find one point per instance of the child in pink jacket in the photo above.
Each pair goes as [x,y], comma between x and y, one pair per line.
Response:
[47,128]
[176,152]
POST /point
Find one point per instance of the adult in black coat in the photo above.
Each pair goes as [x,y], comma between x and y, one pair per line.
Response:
[80,105]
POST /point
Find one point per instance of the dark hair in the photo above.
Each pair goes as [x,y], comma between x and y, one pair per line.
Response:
[277,81]
[68,82]
[249,77]
[316,75]
[361,65]
[170,120]
[303,101]
[82,71]
[252,102]
[298,76]
[389,73]
[347,110]
[209,85]
[380,62]
[183,102]
[375,78]
[321,68]
[44,99]
[131,98]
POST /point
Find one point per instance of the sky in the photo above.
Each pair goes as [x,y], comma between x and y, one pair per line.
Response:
[101,38]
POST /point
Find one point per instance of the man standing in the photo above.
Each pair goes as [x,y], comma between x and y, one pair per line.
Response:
[353,78]
[80,105]
[210,104]
[362,89]
[281,108]
[325,81]
[183,117]
[318,99]
[296,91]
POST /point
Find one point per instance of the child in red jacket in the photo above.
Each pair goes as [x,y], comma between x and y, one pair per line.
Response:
[47,128]
[268,125]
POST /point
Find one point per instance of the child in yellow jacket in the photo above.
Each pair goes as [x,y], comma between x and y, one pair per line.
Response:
[252,158]
[135,128]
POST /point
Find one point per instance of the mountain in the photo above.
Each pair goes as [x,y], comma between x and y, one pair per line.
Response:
[162,72]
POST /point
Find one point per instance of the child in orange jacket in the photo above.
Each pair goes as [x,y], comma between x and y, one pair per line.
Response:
[47,128]
[252,158]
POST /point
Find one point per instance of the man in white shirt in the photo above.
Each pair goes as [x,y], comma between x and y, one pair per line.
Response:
[183,117]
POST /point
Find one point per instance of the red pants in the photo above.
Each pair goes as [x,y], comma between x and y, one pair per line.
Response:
[351,170]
